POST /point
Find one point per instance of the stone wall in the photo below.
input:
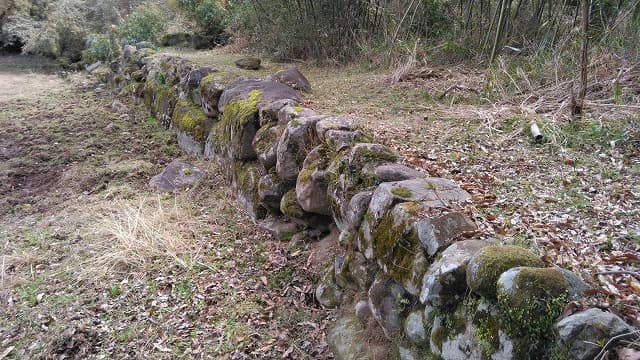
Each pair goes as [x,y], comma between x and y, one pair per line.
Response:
[405,248]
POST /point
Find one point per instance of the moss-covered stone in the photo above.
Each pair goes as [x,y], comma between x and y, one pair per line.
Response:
[241,123]
[489,263]
[401,191]
[265,144]
[396,246]
[530,301]
[246,179]
[289,205]
[163,105]
[189,118]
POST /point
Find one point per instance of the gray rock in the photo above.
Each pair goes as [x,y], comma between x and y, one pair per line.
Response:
[245,177]
[281,229]
[396,172]
[357,208]
[362,310]
[188,143]
[270,191]
[334,123]
[144,45]
[295,143]
[268,112]
[289,113]
[176,176]
[576,286]
[190,82]
[249,63]
[429,192]
[346,339]
[267,92]
[358,272]
[265,144]
[293,78]
[386,304]
[93,67]
[339,140]
[363,153]
[311,185]
[328,293]
[211,88]
[583,331]
[414,328]
[437,232]
[445,282]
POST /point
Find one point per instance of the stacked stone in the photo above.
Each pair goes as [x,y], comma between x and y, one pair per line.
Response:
[404,240]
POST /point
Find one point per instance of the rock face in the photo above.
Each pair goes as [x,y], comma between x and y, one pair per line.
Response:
[292,78]
[178,175]
[582,332]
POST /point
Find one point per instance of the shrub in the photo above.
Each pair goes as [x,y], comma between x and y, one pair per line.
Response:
[101,48]
[145,23]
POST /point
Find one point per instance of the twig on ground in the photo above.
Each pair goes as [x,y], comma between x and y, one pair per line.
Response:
[614,340]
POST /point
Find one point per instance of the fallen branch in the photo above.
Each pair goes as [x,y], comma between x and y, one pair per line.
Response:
[458,87]
[612,341]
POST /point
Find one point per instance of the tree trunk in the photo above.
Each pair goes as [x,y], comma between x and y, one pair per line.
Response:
[584,60]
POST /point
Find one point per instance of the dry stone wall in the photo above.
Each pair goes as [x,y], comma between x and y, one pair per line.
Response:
[404,244]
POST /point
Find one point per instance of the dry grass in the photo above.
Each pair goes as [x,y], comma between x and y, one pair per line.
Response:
[142,236]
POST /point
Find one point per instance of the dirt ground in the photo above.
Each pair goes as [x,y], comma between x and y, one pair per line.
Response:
[96,265]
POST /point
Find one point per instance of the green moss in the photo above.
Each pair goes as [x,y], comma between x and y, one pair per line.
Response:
[298,108]
[187,172]
[267,136]
[531,324]
[401,191]
[363,154]
[289,205]
[530,311]
[490,262]
[189,118]
[396,244]
[439,335]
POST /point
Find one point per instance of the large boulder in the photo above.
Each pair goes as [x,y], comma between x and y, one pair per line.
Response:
[269,92]
[328,293]
[293,78]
